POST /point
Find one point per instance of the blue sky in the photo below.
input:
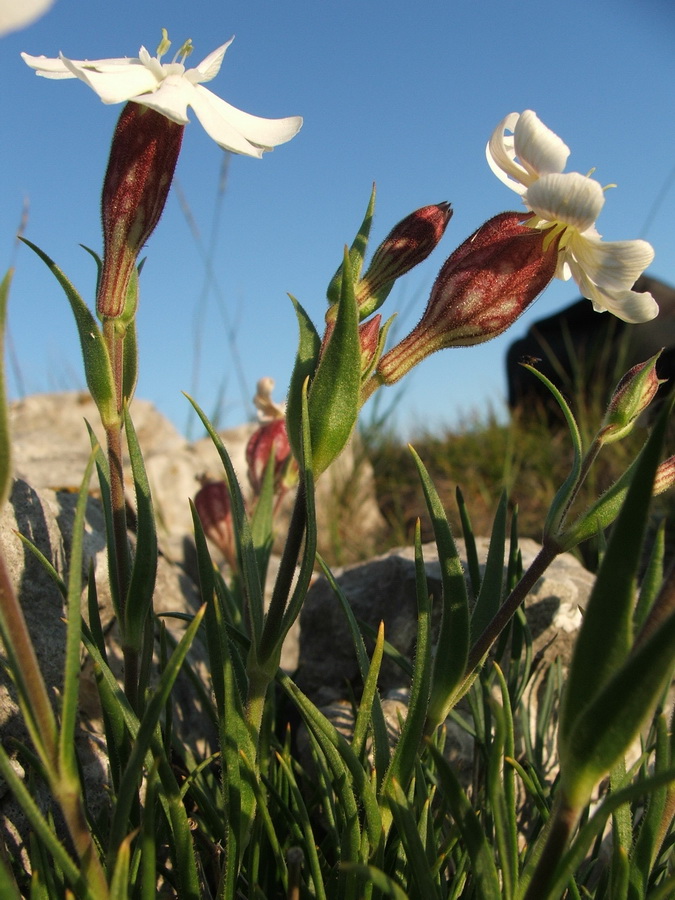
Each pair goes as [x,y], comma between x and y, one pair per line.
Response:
[401,94]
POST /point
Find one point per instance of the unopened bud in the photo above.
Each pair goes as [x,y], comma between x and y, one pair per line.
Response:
[369,338]
[142,161]
[481,290]
[631,397]
[665,476]
[270,439]
[214,509]
[406,245]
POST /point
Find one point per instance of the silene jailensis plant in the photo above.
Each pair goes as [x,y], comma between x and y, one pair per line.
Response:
[246,817]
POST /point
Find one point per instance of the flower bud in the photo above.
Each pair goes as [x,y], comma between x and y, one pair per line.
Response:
[480,291]
[214,509]
[142,160]
[406,245]
[631,397]
[665,476]
[269,439]
[369,338]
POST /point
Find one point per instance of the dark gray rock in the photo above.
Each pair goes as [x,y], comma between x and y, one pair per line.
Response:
[585,352]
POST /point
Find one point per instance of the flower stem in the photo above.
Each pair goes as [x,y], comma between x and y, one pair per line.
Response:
[559,829]
[507,610]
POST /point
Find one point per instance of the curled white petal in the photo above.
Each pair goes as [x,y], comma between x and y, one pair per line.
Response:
[229,126]
[529,151]
[501,156]
[15,14]
[539,149]
[570,198]
[630,306]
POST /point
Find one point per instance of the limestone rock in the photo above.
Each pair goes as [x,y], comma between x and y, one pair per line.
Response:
[383,589]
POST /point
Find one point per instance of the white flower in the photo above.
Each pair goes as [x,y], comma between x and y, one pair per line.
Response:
[530,160]
[15,14]
[170,88]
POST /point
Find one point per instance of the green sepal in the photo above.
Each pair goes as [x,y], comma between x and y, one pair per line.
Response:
[306,361]
[335,391]
[97,367]
[357,253]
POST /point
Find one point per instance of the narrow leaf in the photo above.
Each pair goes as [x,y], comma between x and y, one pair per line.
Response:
[97,367]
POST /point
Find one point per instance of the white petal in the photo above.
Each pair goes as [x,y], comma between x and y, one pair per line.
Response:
[117,82]
[630,306]
[539,149]
[209,67]
[227,124]
[171,98]
[570,198]
[500,153]
[614,265]
[15,14]
[47,67]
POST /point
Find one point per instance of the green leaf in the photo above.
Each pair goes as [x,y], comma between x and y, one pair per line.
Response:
[407,749]
[130,362]
[652,578]
[9,889]
[491,589]
[357,253]
[371,874]
[138,604]
[606,632]
[97,367]
[611,691]
[469,543]
[501,788]
[604,728]
[335,390]
[44,831]
[380,736]
[453,637]
[5,443]
[421,882]
[565,496]
[306,361]
[262,520]
[310,842]
[119,885]
[247,555]
[145,740]
[71,677]
[103,472]
[350,779]
[483,869]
